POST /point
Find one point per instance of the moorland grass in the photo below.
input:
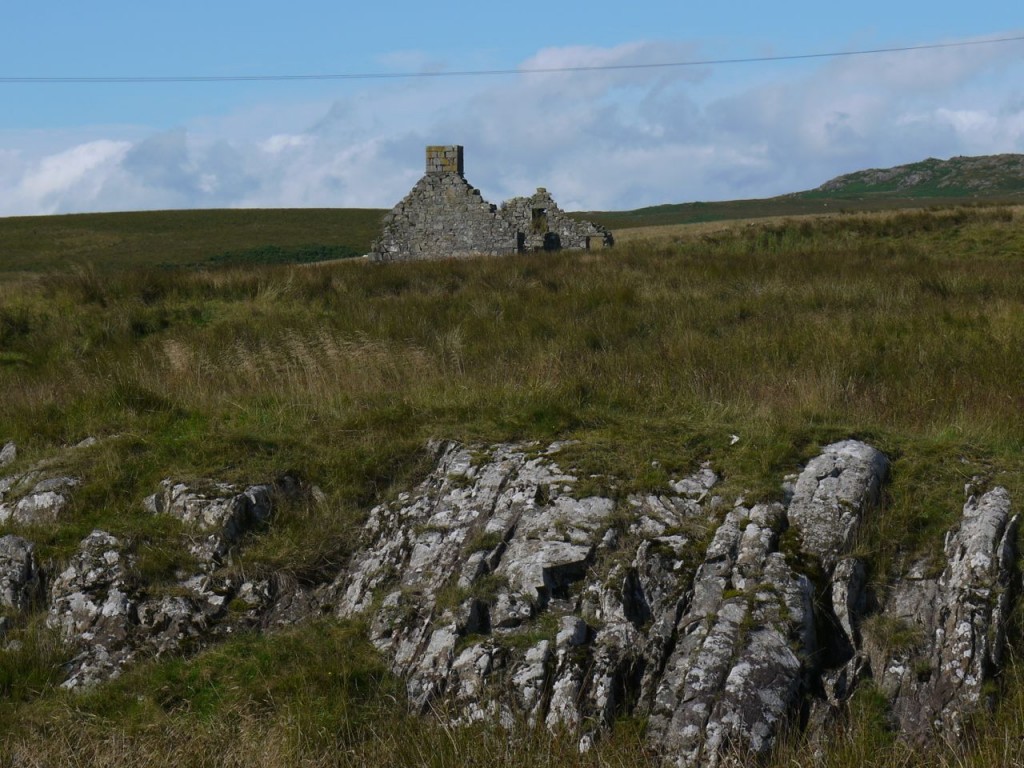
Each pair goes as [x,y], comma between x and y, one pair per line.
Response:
[750,348]
[33,244]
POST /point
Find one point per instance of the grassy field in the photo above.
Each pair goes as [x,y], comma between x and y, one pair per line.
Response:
[905,329]
[798,204]
[108,241]
[105,242]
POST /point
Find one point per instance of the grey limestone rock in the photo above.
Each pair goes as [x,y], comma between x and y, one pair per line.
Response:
[219,514]
[499,592]
[42,499]
[98,607]
[8,453]
[832,494]
[716,665]
[21,582]
[939,641]
[507,520]
[733,678]
[92,606]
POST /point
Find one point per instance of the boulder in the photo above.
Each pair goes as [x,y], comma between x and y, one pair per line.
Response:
[832,494]
[8,454]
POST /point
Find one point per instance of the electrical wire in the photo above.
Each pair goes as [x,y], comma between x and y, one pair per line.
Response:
[8,80]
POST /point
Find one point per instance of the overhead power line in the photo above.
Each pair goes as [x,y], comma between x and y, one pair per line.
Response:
[493,72]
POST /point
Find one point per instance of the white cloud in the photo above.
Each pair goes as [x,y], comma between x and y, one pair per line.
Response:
[1002,132]
[76,175]
[282,142]
[597,140]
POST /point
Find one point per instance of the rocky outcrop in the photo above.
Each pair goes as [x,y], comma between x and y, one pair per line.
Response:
[736,672]
[500,591]
[39,499]
[937,645]
[21,582]
[91,604]
[100,606]
[217,516]
[39,494]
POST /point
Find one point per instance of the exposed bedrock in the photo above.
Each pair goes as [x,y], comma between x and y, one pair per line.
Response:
[499,592]
[832,495]
[938,644]
[100,607]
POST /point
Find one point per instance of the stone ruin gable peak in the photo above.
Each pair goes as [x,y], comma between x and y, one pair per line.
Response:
[443,216]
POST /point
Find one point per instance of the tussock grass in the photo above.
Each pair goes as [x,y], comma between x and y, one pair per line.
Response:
[906,330]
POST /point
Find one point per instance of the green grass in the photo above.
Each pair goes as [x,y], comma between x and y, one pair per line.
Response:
[904,329]
[849,201]
[173,238]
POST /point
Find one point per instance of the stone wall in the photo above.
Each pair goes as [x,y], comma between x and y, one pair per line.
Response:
[545,227]
[443,216]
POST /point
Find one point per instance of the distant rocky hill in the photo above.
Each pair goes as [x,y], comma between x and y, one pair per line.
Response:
[986,176]
[957,181]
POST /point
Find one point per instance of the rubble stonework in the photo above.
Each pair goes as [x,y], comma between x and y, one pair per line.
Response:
[444,217]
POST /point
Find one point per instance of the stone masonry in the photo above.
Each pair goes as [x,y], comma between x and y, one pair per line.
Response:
[444,217]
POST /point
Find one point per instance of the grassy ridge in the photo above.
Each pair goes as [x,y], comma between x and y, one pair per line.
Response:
[905,329]
[152,238]
[798,204]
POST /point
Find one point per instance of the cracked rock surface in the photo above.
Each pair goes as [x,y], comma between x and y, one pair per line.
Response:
[498,592]
[501,592]
[100,608]
[832,495]
[942,639]
[21,581]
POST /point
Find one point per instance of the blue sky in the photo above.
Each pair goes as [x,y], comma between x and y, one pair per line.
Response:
[608,139]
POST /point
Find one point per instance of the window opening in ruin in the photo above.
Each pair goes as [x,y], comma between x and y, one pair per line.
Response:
[552,242]
[539,220]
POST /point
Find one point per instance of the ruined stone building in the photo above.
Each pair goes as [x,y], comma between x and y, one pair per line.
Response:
[443,217]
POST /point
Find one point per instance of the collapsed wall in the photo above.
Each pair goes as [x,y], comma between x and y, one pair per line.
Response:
[443,216]
[542,226]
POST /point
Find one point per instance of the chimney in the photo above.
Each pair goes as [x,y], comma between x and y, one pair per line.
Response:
[445,159]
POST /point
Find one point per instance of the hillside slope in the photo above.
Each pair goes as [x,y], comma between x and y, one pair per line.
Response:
[184,238]
[983,176]
[997,179]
